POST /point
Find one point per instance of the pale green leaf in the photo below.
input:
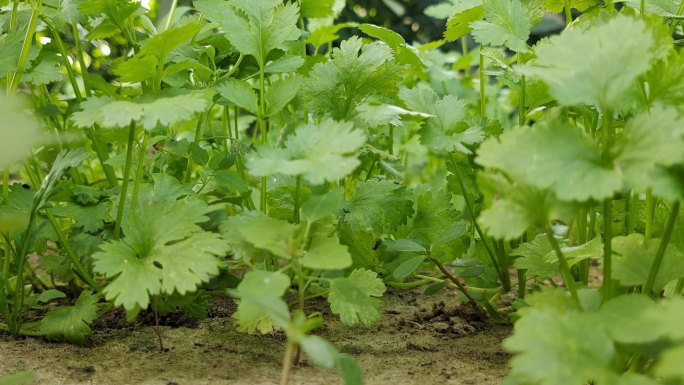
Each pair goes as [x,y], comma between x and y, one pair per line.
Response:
[605,72]
[552,156]
[71,323]
[308,149]
[326,253]
[506,24]
[281,92]
[352,298]
[634,256]
[239,93]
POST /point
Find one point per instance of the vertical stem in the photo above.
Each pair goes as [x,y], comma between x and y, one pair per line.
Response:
[287,363]
[583,267]
[641,7]
[81,59]
[662,247]
[264,134]
[174,3]
[139,171]
[650,208]
[390,137]
[124,185]
[522,283]
[607,210]
[15,78]
[475,224]
[563,263]
[199,132]
[607,248]
[78,266]
[568,13]
[633,211]
[483,80]
[65,59]
[102,156]
[522,109]
[297,198]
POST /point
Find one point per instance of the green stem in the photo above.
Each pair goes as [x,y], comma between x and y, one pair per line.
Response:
[390,138]
[522,283]
[81,59]
[568,13]
[174,3]
[75,260]
[138,172]
[124,185]
[662,247]
[264,134]
[65,59]
[483,81]
[199,133]
[102,157]
[522,110]
[583,266]
[287,363]
[297,198]
[631,217]
[25,48]
[502,259]
[470,207]
[563,263]
[607,248]
[461,286]
[642,6]
[15,11]
[649,214]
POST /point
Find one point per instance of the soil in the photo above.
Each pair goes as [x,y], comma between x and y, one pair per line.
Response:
[419,340]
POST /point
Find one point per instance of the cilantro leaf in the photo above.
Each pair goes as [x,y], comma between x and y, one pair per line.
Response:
[356,71]
[254,27]
[164,251]
[506,24]
[239,93]
[259,284]
[326,253]
[165,109]
[71,323]
[533,258]
[551,343]
[435,220]
[447,130]
[649,139]
[378,205]
[463,13]
[601,76]
[308,149]
[555,156]
[281,92]
[634,257]
[352,297]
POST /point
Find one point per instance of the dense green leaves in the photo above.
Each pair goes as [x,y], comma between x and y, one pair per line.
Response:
[356,71]
[506,24]
[446,129]
[254,27]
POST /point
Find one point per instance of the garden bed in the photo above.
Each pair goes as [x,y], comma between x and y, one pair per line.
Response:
[419,340]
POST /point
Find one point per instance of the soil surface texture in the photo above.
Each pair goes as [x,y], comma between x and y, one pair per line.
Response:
[419,340]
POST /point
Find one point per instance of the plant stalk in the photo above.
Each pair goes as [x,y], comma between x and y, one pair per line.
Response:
[563,263]
[124,185]
[15,78]
[662,247]
[287,363]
